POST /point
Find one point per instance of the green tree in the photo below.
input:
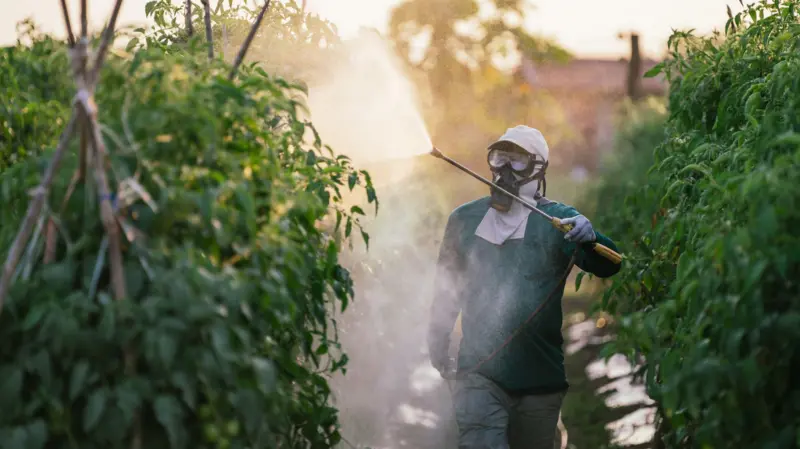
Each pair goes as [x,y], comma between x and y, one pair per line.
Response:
[456,41]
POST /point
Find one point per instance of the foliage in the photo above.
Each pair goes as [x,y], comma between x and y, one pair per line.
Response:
[450,46]
[285,32]
[29,111]
[233,220]
[710,297]
[465,49]
[639,129]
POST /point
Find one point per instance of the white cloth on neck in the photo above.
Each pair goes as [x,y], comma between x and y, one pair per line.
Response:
[497,227]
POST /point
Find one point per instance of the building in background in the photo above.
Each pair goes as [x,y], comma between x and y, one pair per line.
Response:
[589,92]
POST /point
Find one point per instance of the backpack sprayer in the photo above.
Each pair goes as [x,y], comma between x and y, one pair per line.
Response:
[602,250]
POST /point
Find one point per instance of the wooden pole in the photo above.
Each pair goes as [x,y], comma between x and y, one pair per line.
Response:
[635,69]
[189,26]
[249,40]
[209,37]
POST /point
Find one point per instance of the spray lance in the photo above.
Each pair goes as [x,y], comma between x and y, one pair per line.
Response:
[602,250]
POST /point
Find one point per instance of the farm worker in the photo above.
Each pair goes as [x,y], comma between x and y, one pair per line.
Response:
[496,266]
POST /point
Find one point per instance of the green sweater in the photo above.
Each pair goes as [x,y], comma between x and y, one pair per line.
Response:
[496,288]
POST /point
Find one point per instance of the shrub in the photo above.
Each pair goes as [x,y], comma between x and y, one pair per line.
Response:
[32,100]
[710,297]
[231,217]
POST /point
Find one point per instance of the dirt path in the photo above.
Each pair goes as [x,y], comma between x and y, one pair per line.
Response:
[603,409]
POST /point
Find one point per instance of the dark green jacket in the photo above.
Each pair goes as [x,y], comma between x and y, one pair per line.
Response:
[498,287]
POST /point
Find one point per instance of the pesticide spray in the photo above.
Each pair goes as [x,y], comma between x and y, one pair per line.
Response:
[366,107]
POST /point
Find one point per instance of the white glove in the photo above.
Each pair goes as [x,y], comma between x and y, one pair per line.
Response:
[582,231]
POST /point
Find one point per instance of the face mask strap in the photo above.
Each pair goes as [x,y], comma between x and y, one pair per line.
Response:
[540,176]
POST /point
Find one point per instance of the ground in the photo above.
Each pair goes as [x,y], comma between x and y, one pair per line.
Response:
[419,415]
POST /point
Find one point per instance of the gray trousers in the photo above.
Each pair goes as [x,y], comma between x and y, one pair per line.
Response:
[488,418]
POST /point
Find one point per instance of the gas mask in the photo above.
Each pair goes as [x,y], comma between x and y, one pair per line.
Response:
[512,167]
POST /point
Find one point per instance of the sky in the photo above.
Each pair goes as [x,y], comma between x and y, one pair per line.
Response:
[588,28]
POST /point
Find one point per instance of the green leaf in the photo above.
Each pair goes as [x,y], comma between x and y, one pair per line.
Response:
[40,365]
[107,325]
[170,415]
[357,210]
[248,404]
[220,341]
[134,279]
[18,439]
[94,409]
[36,435]
[77,380]
[167,349]
[579,280]
[132,44]
[183,383]
[34,317]
[149,7]
[352,180]
[10,385]
[655,71]
[128,401]
[265,374]
[365,237]
[755,274]
[311,158]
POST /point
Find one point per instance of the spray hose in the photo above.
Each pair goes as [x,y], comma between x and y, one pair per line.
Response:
[602,250]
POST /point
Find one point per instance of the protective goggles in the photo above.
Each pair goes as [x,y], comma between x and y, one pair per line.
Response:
[520,162]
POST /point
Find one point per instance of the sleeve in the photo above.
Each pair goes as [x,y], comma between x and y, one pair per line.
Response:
[587,259]
[445,305]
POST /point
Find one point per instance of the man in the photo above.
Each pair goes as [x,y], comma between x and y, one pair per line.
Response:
[505,272]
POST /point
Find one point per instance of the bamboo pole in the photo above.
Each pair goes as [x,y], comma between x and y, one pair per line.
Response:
[188,19]
[248,41]
[207,19]
[84,20]
[106,209]
[102,50]
[68,23]
[35,208]
[51,234]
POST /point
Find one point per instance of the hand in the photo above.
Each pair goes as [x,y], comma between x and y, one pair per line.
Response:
[581,232]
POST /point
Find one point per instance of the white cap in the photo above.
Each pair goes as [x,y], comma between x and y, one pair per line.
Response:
[529,139]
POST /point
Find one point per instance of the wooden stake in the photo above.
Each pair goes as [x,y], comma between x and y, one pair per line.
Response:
[102,50]
[84,19]
[209,37]
[248,41]
[35,208]
[189,25]
[106,209]
[68,23]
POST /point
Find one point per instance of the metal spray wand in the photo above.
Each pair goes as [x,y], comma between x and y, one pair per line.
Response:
[603,250]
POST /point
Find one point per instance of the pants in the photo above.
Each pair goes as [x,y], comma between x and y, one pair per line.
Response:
[488,418]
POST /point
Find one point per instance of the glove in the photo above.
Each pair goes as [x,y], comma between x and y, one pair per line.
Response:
[582,231]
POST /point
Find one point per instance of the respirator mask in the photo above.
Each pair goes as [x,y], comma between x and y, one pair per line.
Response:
[512,167]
